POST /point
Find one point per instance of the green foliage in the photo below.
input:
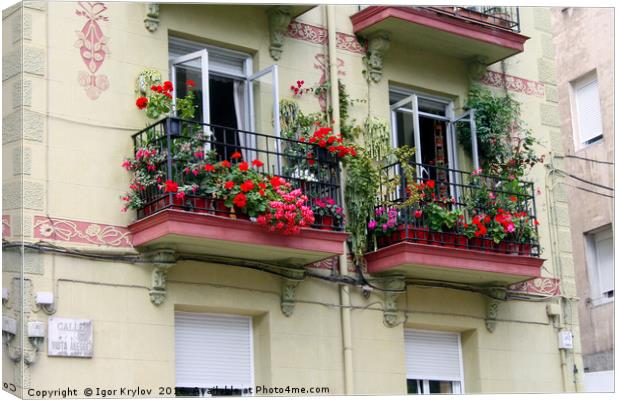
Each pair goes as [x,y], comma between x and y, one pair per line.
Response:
[505,147]
[376,134]
[362,186]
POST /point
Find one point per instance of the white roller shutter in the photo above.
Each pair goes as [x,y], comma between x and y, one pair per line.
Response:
[213,350]
[605,261]
[433,355]
[224,61]
[588,107]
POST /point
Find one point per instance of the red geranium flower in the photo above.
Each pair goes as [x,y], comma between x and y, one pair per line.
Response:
[168,86]
[209,168]
[171,186]
[240,200]
[430,184]
[190,83]
[243,166]
[257,163]
[247,186]
[229,185]
[142,102]
[225,164]
[235,155]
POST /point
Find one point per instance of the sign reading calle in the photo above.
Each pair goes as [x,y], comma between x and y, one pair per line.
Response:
[68,337]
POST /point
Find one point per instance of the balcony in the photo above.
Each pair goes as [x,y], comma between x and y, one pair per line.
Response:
[200,223]
[491,33]
[454,226]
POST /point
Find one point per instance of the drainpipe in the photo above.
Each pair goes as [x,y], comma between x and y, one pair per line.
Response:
[345,297]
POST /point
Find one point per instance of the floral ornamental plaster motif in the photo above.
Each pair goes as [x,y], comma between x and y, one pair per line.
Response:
[513,83]
[322,64]
[6,225]
[81,232]
[538,286]
[93,48]
[318,35]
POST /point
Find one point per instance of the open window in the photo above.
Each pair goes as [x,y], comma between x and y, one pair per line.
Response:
[232,101]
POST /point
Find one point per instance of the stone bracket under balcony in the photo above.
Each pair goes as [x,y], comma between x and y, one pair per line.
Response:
[420,261]
[206,234]
[434,30]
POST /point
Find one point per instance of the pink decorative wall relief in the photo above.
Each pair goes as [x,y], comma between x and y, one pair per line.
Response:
[93,48]
[538,287]
[6,225]
[318,35]
[322,64]
[513,83]
[81,232]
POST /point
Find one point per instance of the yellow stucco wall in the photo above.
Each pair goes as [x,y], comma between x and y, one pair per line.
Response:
[77,164]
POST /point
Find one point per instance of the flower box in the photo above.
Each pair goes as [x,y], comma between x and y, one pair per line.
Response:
[406,231]
[449,238]
[220,208]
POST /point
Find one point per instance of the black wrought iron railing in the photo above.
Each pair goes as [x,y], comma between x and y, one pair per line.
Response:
[453,208]
[498,16]
[304,165]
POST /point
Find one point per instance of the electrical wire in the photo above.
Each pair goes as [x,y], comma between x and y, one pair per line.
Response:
[588,190]
[583,180]
[584,158]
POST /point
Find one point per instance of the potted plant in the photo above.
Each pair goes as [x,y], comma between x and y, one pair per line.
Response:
[384,226]
[327,213]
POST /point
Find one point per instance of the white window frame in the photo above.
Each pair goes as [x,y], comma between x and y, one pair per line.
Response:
[592,265]
[251,340]
[575,85]
[427,379]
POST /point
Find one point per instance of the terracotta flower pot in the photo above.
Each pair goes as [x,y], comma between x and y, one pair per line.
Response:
[436,238]
[327,223]
[525,249]
[449,238]
[406,232]
[220,208]
[200,204]
[421,235]
[481,244]
[460,241]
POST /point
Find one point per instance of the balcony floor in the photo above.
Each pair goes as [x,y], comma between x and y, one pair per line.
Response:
[206,234]
[422,261]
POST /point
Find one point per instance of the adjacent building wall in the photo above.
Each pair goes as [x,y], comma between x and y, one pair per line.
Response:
[583,40]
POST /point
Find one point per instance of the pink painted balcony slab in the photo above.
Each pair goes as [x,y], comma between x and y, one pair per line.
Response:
[206,234]
[423,261]
[461,32]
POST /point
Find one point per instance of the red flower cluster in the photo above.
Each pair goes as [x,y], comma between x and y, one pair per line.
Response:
[165,89]
[324,138]
[298,89]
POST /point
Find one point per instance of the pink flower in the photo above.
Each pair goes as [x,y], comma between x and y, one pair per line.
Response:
[180,195]
[372,224]
[510,227]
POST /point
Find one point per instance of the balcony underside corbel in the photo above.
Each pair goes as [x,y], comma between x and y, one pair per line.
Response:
[161,261]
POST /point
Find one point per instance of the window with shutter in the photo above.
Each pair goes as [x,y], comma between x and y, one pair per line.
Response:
[587,110]
[213,351]
[433,361]
[601,265]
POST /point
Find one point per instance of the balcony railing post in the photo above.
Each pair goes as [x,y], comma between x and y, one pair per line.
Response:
[168,128]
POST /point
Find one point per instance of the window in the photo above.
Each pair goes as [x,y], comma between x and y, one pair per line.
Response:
[230,98]
[587,122]
[600,259]
[214,354]
[434,362]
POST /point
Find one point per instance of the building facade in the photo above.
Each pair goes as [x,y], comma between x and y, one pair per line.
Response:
[178,298]
[583,42]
